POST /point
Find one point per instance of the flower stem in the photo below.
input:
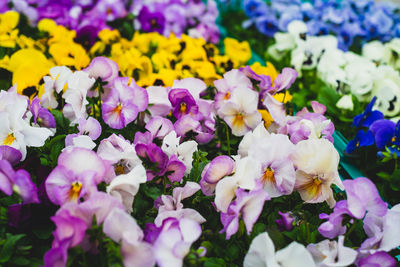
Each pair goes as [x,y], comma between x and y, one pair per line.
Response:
[227,139]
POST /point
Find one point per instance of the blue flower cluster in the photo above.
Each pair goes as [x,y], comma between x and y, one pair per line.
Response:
[384,133]
[347,19]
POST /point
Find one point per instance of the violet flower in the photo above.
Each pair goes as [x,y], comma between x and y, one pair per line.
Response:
[285,223]
[158,164]
[333,227]
[214,171]
[10,154]
[247,204]
[362,196]
[104,68]
[380,258]
[78,172]
[172,240]
[151,21]
[18,181]
[123,103]
[182,102]
[172,207]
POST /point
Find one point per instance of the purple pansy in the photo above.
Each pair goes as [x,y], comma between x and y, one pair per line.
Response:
[123,103]
[18,181]
[248,205]
[380,258]
[10,154]
[157,162]
[214,171]
[182,102]
[151,21]
[285,223]
[78,172]
[172,240]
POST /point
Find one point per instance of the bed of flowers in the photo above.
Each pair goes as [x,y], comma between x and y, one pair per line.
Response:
[163,147]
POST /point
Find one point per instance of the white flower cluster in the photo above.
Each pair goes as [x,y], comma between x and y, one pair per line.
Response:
[371,74]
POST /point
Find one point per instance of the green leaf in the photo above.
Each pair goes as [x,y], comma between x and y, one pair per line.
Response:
[215,262]
[9,247]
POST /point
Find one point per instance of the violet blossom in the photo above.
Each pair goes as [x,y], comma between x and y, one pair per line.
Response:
[123,103]
[247,204]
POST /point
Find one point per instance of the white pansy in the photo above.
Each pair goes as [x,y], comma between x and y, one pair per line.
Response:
[374,51]
[79,84]
[262,253]
[345,102]
[387,90]
[54,83]
[125,186]
[329,253]
[183,151]
[240,112]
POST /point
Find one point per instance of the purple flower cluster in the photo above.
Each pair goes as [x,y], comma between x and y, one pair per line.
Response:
[88,17]
[171,16]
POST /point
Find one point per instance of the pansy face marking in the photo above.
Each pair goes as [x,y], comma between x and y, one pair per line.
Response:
[75,190]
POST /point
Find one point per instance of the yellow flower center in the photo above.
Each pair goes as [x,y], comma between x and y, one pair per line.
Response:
[118,109]
[183,107]
[119,169]
[227,96]
[317,180]
[9,139]
[394,139]
[268,176]
[238,120]
[75,190]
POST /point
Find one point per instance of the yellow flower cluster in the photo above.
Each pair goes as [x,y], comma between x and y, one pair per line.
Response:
[149,58]
[27,60]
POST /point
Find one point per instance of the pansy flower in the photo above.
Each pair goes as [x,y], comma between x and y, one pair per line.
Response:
[182,102]
[366,118]
[386,132]
[362,139]
[78,172]
[123,103]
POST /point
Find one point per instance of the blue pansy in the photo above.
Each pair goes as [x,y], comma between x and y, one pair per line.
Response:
[386,132]
[362,139]
[267,25]
[366,118]
[254,7]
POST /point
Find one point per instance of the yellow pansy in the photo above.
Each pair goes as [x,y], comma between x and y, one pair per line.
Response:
[70,54]
[47,25]
[165,77]
[60,34]
[163,60]
[239,52]
[223,63]
[145,72]
[283,97]
[268,70]
[193,49]
[28,67]
[8,33]
[144,41]
[108,36]
[172,44]
[267,118]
